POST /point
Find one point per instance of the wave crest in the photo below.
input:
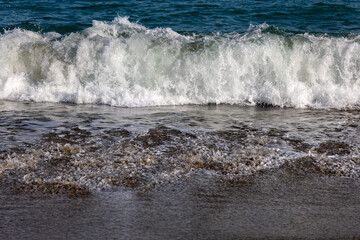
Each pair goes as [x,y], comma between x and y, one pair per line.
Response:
[126,64]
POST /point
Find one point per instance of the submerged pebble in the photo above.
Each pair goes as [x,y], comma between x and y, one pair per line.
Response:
[59,165]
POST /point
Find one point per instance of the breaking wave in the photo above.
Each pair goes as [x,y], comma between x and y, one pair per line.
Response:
[126,64]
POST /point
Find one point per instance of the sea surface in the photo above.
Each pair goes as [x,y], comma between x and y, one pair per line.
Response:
[180,119]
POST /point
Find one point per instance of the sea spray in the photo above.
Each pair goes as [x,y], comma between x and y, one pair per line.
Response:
[126,64]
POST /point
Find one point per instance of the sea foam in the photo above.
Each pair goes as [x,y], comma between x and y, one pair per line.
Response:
[126,64]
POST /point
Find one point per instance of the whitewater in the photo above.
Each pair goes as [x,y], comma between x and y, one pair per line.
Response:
[121,63]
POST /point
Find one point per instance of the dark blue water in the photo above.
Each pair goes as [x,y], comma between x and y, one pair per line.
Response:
[185,16]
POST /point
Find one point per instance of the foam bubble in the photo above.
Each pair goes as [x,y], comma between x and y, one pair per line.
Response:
[125,64]
[77,162]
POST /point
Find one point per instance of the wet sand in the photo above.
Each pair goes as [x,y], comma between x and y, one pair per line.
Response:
[277,205]
[185,172]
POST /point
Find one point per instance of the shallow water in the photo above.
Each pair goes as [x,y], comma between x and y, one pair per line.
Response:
[25,122]
[100,147]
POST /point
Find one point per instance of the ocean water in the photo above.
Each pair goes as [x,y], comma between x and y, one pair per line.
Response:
[211,53]
[211,118]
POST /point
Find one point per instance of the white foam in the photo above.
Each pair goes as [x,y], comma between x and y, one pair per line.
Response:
[125,64]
